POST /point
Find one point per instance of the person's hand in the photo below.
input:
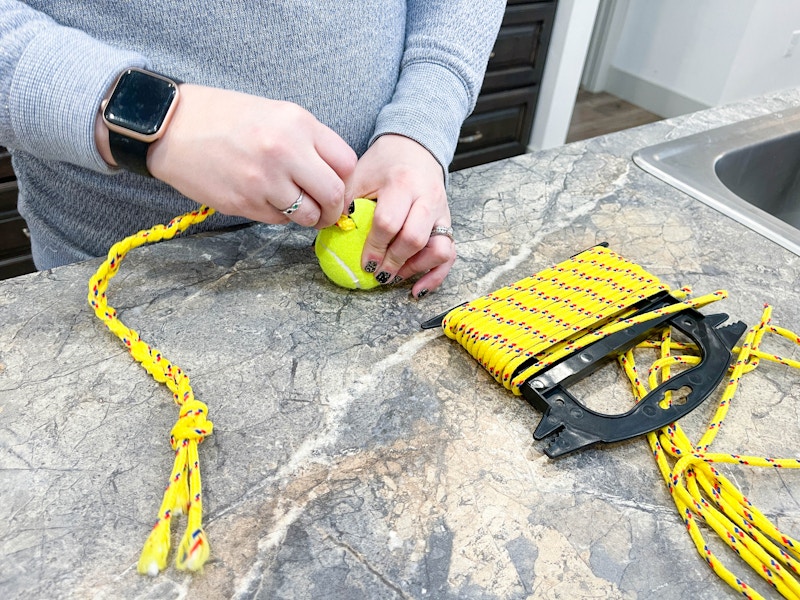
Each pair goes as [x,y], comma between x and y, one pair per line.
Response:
[408,183]
[252,157]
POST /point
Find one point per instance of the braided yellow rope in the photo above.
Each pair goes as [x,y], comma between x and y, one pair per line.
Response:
[183,493]
[527,326]
[532,317]
[702,494]
[545,317]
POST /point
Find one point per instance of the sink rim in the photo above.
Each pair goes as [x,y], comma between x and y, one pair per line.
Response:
[689,165]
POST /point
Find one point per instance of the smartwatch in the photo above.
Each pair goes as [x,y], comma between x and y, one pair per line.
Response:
[136,114]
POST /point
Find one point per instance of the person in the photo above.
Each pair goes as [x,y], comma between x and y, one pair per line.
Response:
[285,111]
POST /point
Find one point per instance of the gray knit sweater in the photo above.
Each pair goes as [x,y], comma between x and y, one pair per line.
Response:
[363,68]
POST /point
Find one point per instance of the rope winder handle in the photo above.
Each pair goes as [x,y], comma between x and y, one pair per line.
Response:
[183,492]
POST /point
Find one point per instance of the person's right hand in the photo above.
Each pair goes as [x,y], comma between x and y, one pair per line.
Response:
[249,156]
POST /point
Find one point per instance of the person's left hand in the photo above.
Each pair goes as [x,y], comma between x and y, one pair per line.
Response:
[408,183]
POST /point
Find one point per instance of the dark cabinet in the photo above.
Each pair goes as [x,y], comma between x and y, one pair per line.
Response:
[501,123]
[15,246]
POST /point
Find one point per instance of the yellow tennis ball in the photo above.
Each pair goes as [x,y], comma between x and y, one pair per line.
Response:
[338,248]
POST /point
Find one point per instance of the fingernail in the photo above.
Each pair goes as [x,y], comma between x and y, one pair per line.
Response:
[383,277]
[352,208]
[422,293]
[371,266]
[397,279]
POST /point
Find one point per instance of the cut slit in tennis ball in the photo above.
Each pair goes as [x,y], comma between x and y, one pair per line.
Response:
[339,247]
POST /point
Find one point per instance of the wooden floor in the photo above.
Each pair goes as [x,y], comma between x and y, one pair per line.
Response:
[601,113]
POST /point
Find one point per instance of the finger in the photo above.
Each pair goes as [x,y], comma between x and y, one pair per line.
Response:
[438,251]
[303,211]
[359,187]
[389,218]
[335,152]
[411,240]
[431,280]
[292,208]
[266,206]
[325,187]
[340,158]
[320,169]
[408,242]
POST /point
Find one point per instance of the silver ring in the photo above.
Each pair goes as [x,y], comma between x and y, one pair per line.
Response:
[296,204]
[442,230]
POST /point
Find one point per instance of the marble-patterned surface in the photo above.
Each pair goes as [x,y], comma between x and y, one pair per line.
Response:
[354,455]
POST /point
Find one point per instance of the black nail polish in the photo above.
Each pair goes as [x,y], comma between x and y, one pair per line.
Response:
[352,208]
[383,277]
[422,293]
[371,266]
[397,279]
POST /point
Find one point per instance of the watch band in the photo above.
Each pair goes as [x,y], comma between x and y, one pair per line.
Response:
[128,153]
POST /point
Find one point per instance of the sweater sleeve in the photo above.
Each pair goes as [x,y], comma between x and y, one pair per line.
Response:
[447,47]
[52,80]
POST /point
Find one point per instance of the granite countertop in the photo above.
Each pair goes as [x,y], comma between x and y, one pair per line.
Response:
[355,455]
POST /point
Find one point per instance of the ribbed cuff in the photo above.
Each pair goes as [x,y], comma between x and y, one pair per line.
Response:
[429,106]
[56,91]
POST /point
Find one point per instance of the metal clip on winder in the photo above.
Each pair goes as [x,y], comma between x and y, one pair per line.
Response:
[543,333]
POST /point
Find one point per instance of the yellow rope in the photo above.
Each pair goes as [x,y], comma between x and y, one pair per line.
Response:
[538,317]
[523,328]
[527,326]
[702,494]
[538,320]
[183,492]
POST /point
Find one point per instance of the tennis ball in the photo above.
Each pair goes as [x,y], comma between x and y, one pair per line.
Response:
[338,248]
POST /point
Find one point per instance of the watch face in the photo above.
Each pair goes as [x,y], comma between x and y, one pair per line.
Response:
[140,102]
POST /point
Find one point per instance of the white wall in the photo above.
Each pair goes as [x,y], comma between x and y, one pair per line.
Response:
[676,56]
[761,64]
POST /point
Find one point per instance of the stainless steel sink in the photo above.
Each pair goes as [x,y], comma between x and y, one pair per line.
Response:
[749,171]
